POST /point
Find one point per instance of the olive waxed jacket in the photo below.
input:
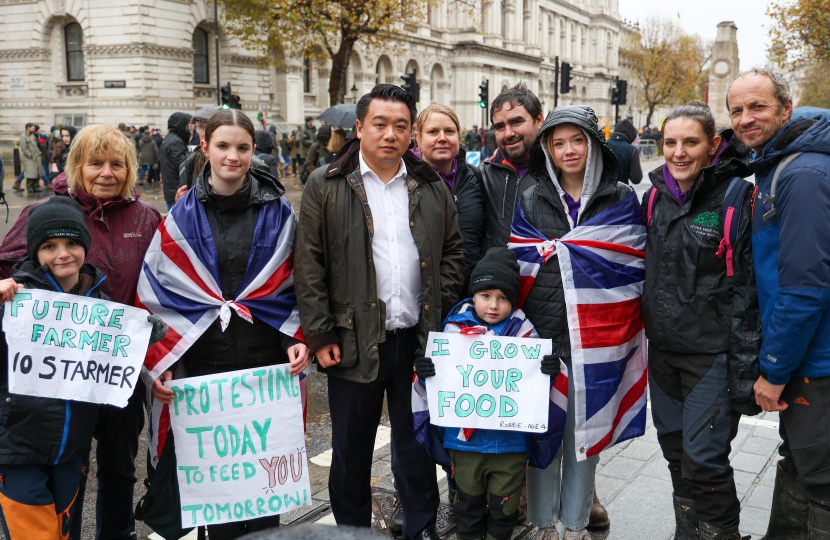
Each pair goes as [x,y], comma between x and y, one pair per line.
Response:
[334,276]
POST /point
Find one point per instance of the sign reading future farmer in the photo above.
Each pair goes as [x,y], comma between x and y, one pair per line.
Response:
[488,382]
[240,445]
[73,347]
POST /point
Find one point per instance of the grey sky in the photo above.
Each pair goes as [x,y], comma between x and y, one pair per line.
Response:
[702,17]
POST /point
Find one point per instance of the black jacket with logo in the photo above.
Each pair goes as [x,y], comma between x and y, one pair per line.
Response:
[690,305]
[37,430]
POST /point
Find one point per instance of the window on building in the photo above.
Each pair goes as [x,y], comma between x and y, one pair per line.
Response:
[307,74]
[200,58]
[74,38]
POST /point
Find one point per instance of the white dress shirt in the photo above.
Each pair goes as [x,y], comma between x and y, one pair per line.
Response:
[397,263]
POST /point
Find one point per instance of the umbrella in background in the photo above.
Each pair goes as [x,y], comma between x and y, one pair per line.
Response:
[811,112]
[342,116]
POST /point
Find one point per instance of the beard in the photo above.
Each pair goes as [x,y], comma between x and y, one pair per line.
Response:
[516,154]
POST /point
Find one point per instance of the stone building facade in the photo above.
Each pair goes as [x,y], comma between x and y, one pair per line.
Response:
[138,61]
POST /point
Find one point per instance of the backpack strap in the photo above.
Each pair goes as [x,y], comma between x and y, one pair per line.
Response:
[653,194]
[477,172]
[731,212]
[771,197]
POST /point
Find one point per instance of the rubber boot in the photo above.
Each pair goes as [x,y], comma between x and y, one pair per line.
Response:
[790,509]
[710,532]
[819,523]
[599,515]
[685,518]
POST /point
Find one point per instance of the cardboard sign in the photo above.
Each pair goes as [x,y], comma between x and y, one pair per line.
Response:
[240,445]
[73,347]
[488,382]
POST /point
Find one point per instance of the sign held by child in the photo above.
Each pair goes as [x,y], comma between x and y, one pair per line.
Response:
[240,445]
[488,382]
[73,347]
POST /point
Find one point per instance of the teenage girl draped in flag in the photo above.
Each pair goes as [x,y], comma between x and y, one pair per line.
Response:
[220,273]
[576,179]
[701,314]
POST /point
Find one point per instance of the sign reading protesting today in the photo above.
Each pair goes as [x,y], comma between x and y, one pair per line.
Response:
[488,382]
[240,445]
[73,347]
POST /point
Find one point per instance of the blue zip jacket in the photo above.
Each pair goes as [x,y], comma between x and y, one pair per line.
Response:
[37,430]
[487,441]
[791,251]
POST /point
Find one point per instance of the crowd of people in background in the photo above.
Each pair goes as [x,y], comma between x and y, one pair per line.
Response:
[735,300]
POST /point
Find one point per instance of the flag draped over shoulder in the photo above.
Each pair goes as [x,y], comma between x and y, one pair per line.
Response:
[603,270]
[180,283]
[543,446]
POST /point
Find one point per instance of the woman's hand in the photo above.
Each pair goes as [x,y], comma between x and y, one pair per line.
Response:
[298,357]
[180,193]
[165,395]
[8,288]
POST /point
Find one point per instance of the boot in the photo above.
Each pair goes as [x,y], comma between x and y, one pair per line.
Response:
[819,523]
[685,517]
[17,187]
[790,509]
[599,515]
[710,532]
[396,518]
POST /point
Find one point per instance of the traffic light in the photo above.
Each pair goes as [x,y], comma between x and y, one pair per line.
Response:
[622,90]
[615,96]
[565,79]
[235,102]
[411,85]
[484,94]
[225,93]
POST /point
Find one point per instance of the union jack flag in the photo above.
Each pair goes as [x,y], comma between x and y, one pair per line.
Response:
[543,446]
[603,270]
[180,283]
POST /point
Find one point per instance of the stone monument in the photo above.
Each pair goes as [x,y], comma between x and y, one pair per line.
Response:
[725,67]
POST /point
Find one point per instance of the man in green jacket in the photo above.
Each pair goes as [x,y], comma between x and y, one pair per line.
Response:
[307,136]
[379,261]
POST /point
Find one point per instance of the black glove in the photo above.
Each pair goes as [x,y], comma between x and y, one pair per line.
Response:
[550,365]
[159,329]
[423,366]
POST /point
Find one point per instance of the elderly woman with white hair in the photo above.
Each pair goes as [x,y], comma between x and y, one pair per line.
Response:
[100,173]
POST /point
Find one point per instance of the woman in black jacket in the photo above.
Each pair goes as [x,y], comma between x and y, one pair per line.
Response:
[436,131]
[576,178]
[700,310]
[233,196]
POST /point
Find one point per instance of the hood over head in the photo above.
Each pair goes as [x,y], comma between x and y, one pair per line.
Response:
[177,123]
[264,142]
[601,166]
[627,130]
[72,132]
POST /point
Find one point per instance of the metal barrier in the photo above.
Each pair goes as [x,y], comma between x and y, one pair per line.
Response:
[648,149]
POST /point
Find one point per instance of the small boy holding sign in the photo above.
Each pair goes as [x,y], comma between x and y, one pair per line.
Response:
[43,440]
[488,465]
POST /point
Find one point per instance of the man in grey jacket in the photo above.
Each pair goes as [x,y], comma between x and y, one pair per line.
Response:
[30,152]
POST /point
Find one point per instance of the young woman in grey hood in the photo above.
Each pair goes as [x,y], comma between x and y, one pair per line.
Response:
[576,178]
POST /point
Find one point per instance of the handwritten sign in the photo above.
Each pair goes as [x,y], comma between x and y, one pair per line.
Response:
[73,347]
[240,445]
[488,382]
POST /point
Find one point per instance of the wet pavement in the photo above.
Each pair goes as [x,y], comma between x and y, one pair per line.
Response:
[632,478]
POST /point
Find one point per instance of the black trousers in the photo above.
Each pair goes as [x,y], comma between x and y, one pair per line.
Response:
[805,428]
[696,434]
[355,414]
[117,434]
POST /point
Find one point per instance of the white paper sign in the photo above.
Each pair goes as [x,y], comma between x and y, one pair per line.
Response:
[73,347]
[240,445]
[488,382]
[17,82]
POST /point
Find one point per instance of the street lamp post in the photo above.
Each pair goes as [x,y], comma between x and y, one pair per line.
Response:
[354,92]
[216,40]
